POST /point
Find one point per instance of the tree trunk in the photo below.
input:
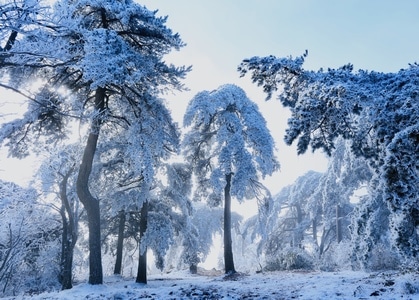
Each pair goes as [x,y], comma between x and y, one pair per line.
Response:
[193,261]
[63,246]
[322,242]
[95,255]
[324,239]
[69,235]
[228,247]
[338,224]
[298,232]
[11,40]
[142,261]
[314,222]
[89,202]
[120,243]
[67,263]
[193,268]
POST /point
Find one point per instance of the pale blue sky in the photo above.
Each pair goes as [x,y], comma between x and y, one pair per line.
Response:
[371,34]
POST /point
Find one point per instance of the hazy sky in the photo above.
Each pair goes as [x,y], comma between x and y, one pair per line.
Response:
[372,34]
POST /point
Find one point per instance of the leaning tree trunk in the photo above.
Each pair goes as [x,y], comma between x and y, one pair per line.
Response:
[69,235]
[142,261]
[228,247]
[120,243]
[11,40]
[90,203]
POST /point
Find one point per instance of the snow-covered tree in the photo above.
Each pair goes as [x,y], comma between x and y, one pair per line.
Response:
[370,231]
[379,225]
[18,20]
[177,194]
[102,63]
[57,176]
[401,184]
[169,211]
[162,212]
[19,17]
[313,212]
[345,174]
[128,163]
[292,219]
[204,225]
[371,109]
[29,242]
[229,147]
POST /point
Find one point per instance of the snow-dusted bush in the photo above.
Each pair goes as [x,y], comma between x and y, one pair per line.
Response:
[41,275]
[29,243]
[338,257]
[410,288]
[290,258]
[383,257]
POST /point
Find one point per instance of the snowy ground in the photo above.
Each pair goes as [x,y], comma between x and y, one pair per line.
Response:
[275,285]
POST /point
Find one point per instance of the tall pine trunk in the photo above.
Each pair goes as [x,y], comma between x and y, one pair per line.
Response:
[90,203]
[65,276]
[120,243]
[142,261]
[228,245]
[69,235]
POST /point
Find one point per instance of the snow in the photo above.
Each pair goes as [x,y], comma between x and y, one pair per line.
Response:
[276,285]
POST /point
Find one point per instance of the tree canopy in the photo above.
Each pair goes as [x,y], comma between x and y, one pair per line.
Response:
[229,148]
[95,77]
[100,63]
[374,111]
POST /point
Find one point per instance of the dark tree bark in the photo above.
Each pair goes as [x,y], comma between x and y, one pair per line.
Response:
[69,235]
[193,262]
[120,243]
[142,261]
[193,268]
[90,203]
[11,40]
[338,223]
[228,247]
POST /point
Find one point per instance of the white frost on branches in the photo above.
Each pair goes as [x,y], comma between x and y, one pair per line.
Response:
[228,135]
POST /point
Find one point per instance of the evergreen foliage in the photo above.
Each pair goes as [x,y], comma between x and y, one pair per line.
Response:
[374,111]
[99,66]
[100,62]
[229,148]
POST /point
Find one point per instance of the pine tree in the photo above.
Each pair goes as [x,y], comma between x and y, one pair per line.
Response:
[372,110]
[229,147]
[99,62]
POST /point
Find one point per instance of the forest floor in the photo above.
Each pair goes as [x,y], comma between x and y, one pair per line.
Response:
[213,284]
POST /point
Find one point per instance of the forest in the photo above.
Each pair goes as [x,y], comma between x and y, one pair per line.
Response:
[123,189]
